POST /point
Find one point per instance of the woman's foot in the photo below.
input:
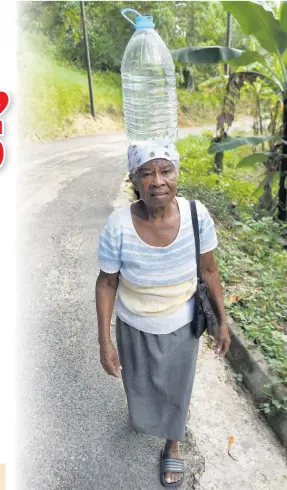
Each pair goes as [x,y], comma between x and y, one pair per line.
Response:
[171,449]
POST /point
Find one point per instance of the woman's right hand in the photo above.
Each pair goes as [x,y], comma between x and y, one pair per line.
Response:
[110,359]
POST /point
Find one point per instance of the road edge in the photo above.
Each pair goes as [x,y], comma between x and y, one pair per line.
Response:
[247,360]
[126,193]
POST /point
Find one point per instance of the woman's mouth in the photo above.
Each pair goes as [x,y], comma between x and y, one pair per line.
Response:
[159,195]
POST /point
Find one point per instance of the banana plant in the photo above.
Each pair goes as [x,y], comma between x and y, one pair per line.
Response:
[259,20]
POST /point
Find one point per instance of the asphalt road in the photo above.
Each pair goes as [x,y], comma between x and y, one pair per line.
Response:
[73,428]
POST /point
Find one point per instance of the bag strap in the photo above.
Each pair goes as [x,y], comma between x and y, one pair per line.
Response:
[195,225]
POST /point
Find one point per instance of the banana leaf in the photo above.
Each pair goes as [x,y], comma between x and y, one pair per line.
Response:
[229,143]
[258,20]
[216,54]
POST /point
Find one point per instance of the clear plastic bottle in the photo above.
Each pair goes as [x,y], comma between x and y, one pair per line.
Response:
[149,85]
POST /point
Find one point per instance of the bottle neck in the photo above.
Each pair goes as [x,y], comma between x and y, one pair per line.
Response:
[140,28]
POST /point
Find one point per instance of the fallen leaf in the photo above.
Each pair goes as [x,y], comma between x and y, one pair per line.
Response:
[231,441]
[234,299]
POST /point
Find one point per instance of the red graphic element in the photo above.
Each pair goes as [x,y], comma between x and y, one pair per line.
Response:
[4,101]
[2,154]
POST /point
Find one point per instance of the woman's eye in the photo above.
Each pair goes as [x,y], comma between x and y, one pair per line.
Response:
[166,171]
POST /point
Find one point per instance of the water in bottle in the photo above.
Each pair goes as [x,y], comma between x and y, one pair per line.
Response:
[149,85]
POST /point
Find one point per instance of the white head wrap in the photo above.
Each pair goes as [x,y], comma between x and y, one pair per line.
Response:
[146,151]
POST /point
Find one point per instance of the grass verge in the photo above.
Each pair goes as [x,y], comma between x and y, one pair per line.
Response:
[53,95]
[250,256]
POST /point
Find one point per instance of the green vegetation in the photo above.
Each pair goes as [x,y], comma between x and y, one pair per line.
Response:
[251,257]
[60,94]
[53,94]
[52,62]
[180,24]
[200,106]
[268,27]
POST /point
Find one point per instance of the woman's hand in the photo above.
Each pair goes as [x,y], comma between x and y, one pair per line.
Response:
[223,340]
[110,359]
[210,274]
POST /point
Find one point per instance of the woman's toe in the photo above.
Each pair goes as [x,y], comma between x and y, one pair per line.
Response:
[177,477]
[172,477]
[167,477]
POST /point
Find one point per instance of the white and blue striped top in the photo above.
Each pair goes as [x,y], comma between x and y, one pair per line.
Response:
[153,270]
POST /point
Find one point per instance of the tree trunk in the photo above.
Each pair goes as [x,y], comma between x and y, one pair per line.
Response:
[188,79]
[218,162]
[282,205]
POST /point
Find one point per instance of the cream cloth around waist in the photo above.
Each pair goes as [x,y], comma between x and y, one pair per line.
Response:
[155,301]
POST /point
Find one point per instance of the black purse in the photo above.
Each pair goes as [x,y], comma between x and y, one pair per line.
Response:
[204,315]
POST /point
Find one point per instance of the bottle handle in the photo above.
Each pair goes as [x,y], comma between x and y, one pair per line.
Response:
[123,12]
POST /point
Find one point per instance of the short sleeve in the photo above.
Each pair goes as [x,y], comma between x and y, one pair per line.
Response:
[110,246]
[207,233]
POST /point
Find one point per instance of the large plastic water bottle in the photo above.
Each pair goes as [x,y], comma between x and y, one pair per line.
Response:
[149,84]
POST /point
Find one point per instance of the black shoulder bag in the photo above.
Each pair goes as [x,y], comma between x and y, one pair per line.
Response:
[204,316]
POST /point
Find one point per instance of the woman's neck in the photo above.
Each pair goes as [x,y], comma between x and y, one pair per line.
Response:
[158,213]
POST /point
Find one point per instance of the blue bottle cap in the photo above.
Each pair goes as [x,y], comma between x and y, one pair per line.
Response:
[144,22]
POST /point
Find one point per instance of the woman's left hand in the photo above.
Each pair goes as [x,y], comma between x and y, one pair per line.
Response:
[223,341]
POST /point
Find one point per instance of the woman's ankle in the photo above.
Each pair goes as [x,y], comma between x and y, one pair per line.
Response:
[171,445]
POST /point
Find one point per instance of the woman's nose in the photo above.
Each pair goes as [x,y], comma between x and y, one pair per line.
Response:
[158,179]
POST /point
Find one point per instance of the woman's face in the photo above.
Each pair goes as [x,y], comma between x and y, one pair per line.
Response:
[156,182]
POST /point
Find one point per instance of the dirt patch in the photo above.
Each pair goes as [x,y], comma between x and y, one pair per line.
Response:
[187,120]
[84,124]
[80,125]
[184,121]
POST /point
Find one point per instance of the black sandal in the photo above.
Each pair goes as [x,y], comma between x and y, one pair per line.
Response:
[171,465]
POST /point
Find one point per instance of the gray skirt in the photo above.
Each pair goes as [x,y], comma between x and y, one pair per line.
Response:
[158,373]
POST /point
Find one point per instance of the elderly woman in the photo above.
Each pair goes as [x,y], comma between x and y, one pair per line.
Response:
[147,259]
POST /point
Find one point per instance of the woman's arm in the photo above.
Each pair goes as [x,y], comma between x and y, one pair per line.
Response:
[106,289]
[210,274]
